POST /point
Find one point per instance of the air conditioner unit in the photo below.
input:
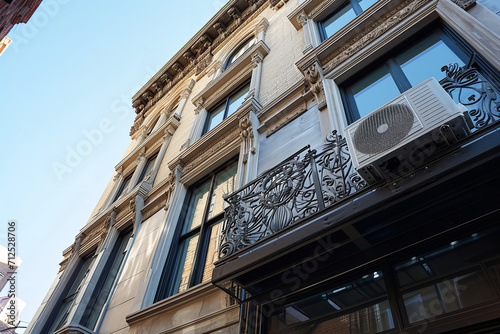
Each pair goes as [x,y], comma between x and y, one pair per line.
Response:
[407,132]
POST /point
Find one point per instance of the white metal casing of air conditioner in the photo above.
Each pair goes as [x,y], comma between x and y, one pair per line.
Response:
[432,108]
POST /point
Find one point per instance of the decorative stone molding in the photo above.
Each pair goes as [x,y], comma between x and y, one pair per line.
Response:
[257,58]
[246,135]
[261,26]
[199,105]
[189,56]
[211,152]
[464,4]
[277,4]
[220,27]
[201,49]
[302,18]
[139,119]
[313,77]
[234,13]
[118,174]
[368,35]
[178,67]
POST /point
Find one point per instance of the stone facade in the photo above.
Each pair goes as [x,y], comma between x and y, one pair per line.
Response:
[294,79]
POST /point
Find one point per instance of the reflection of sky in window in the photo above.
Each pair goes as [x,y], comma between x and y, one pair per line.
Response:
[374,90]
[339,19]
[425,60]
[196,208]
[237,100]
[217,116]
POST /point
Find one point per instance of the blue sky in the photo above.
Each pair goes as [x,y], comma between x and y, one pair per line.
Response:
[71,71]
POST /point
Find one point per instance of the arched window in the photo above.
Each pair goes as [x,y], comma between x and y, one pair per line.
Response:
[239,51]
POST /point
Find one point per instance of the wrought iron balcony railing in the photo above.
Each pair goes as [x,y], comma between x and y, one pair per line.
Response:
[309,182]
[300,186]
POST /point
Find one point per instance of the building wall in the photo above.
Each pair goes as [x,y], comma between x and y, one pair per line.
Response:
[294,101]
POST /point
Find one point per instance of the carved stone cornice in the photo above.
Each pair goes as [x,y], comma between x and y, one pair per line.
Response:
[200,46]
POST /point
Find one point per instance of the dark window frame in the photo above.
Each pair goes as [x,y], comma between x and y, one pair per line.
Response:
[173,264]
[125,183]
[66,297]
[145,168]
[354,5]
[225,101]
[122,240]
[454,42]
[230,58]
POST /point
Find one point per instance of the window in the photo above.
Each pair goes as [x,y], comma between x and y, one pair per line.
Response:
[399,71]
[344,14]
[195,249]
[226,107]
[358,306]
[123,186]
[61,311]
[451,278]
[239,51]
[106,281]
[147,168]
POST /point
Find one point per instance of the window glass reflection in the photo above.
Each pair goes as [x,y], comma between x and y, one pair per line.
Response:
[447,296]
[194,215]
[329,311]
[425,60]
[338,20]
[374,90]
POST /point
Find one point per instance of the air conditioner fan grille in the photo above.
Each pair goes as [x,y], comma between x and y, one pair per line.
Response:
[383,129]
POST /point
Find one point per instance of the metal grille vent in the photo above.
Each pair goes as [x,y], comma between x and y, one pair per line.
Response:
[383,129]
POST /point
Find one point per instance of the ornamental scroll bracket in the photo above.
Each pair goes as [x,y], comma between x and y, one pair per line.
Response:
[313,78]
[247,137]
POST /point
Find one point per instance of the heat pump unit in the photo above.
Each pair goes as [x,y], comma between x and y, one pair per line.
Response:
[414,128]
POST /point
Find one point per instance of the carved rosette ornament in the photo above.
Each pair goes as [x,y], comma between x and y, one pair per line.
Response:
[104,230]
[142,152]
[247,137]
[314,79]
